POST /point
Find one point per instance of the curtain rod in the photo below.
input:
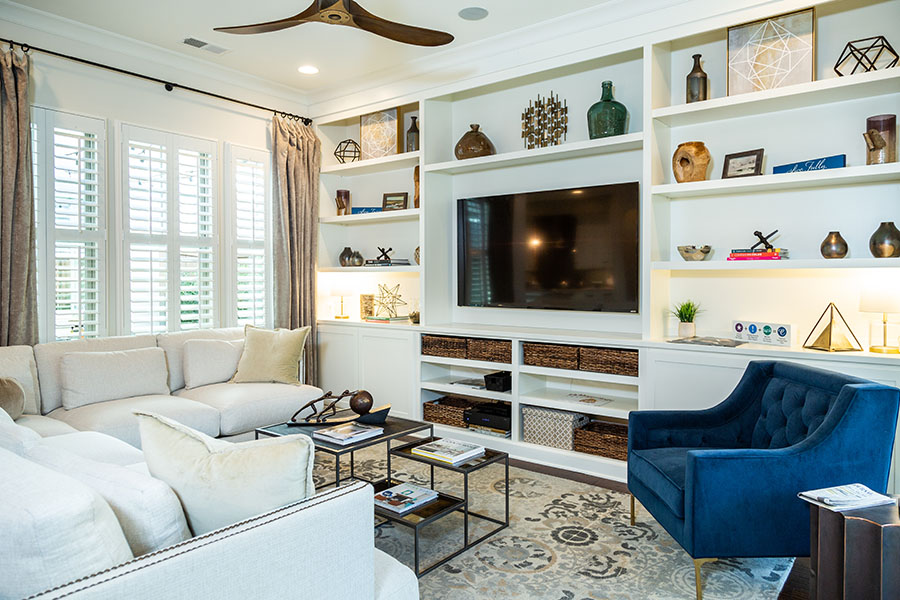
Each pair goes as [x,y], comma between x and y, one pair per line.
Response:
[170,86]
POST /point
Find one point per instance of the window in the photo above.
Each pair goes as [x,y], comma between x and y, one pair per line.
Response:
[248,201]
[169,231]
[69,187]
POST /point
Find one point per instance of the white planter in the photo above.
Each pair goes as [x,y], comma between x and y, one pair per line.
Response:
[686,330]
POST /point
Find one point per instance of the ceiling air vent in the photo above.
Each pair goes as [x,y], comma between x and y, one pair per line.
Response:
[195,43]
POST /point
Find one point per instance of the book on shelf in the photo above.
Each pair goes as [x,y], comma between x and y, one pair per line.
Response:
[501,433]
[757,250]
[846,497]
[394,262]
[773,257]
[475,383]
[404,497]
[347,433]
[449,451]
[373,319]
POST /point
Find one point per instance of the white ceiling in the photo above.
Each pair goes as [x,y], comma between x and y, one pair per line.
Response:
[342,54]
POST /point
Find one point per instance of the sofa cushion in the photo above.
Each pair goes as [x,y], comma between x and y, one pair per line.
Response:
[173,344]
[663,471]
[96,446]
[789,412]
[246,406]
[147,509]
[45,426]
[18,363]
[89,377]
[116,417]
[393,580]
[55,529]
[220,483]
[15,438]
[12,397]
[210,361]
[48,357]
[271,355]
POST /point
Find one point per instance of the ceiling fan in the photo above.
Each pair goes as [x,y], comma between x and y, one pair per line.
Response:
[350,14]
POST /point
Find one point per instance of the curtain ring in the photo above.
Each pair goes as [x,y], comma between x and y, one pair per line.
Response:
[25,48]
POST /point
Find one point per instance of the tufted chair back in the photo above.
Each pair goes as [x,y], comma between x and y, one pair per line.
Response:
[790,411]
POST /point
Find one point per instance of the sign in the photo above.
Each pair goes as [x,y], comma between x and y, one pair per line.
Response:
[817,164]
[758,332]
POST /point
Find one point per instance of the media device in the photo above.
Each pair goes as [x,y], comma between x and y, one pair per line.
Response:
[574,249]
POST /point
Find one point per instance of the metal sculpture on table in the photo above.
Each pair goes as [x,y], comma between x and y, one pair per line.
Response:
[360,401]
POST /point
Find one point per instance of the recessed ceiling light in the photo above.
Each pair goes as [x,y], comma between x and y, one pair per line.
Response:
[473,13]
[308,70]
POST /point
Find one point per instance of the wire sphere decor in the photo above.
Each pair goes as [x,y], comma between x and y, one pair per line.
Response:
[347,151]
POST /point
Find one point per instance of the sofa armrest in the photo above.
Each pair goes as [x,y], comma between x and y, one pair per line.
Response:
[292,552]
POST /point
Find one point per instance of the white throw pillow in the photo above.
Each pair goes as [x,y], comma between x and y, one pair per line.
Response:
[221,483]
[90,377]
[147,509]
[210,361]
[55,529]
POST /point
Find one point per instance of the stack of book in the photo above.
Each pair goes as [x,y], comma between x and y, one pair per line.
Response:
[377,319]
[751,254]
[392,262]
[404,497]
[347,433]
[449,451]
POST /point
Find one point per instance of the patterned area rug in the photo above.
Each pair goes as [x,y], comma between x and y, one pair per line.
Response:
[566,541]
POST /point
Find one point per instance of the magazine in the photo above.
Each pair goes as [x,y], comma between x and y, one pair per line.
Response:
[347,433]
[404,497]
[846,497]
[449,451]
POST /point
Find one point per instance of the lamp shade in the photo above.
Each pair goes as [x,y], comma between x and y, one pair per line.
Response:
[883,297]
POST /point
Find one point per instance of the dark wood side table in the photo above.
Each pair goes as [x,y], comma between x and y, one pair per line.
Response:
[855,555]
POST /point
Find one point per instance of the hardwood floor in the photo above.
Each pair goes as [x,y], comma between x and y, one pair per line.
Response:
[795,588]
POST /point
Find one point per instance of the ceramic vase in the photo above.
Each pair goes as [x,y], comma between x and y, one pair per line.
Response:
[346,257]
[834,246]
[690,161]
[687,330]
[357,260]
[608,116]
[474,144]
[885,242]
[697,88]
[412,136]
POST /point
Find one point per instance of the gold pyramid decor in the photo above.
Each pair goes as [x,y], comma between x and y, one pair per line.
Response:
[832,335]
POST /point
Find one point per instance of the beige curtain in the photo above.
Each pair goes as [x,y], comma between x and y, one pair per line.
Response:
[18,262]
[297,160]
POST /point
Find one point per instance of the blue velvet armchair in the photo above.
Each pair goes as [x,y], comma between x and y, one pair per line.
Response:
[724,481]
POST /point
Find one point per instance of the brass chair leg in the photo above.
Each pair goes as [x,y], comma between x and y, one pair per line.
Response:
[699,562]
[632,509]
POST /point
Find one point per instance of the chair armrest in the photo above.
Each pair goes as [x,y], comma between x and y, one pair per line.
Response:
[288,553]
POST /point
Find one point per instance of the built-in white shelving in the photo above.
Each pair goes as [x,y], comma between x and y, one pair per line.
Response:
[409,214]
[620,143]
[406,160]
[560,400]
[445,385]
[462,362]
[582,375]
[403,269]
[805,263]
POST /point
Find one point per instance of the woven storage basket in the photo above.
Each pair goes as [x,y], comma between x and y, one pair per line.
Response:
[549,427]
[447,410]
[608,360]
[442,345]
[490,350]
[554,356]
[603,438]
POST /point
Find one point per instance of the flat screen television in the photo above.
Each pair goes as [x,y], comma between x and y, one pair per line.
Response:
[574,249]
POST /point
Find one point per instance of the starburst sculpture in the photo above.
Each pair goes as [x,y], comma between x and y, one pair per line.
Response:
[388,300]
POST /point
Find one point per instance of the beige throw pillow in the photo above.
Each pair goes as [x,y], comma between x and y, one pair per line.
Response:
[221,483]
[12,397]
[210,361]
[271,356]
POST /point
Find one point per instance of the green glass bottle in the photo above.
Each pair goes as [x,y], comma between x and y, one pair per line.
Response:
[607,117]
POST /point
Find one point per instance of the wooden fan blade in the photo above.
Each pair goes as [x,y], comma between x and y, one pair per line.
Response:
[398,32]
[278,25]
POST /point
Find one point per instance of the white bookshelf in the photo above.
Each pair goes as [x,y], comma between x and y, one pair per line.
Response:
[409,214]
[374,165]
[752,265]
[398,269]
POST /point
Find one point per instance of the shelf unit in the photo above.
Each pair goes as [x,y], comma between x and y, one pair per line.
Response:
[410,214]
[399,269]
[749,265]
[374,165]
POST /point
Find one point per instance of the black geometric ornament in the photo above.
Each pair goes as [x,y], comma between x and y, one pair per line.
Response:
[347,151]
[868,54]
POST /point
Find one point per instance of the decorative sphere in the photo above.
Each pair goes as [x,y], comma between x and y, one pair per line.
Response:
[361,402]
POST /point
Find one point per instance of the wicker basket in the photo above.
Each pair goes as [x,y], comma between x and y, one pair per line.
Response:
[603,438]
[554,356]
[442,345]
[549,427]
[490,350]
[447,410]
[614,361]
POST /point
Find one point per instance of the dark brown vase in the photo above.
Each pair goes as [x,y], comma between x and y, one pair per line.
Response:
[834,246]
[473,144]
[885,242]
[697,83]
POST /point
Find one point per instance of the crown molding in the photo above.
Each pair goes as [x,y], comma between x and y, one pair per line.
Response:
[100,45]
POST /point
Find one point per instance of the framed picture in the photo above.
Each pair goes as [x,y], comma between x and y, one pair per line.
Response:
[380,133]
[772,53]
[395,201]
[743,164]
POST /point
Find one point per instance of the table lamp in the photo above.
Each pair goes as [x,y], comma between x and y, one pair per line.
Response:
[342,290]
[884,299]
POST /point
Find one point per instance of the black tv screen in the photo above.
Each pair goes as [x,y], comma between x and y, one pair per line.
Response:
[574,249]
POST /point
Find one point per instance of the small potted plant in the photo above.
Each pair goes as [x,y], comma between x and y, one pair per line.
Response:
[686,312]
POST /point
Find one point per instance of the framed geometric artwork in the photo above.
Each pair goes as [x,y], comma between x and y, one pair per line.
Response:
[772,53]
[380,133]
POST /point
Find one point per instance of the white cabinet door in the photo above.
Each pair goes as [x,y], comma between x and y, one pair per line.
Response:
[686,380]
[387,367]
[338,358]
